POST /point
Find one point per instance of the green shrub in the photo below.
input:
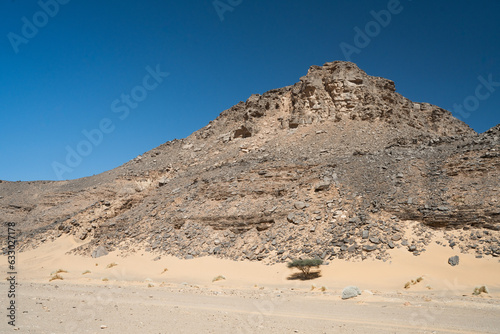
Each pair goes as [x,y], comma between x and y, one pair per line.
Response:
[305,265]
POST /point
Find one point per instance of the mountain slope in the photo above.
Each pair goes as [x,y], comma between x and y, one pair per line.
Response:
[336,165]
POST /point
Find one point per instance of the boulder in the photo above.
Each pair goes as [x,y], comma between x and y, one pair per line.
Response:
[350,292]
[292,218]
[323,185]
[454,260]
[369,248]
[162,181]
[396,238]
[99,251]
[299,205]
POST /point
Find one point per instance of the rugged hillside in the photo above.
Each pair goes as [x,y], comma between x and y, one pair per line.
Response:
[337,165]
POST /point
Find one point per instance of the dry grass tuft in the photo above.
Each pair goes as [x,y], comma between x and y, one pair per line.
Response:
[413,282]
[218,278]
[58,271]
[55,277]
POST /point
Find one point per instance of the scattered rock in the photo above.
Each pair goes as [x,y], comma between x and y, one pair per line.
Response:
[323,185]
[350,292]
[369,248]
[453,261]
[162,181]
[299,205]
[396,238]
[99,251]
[292,218]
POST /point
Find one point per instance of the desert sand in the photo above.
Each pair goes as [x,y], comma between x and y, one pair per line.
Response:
[138,294]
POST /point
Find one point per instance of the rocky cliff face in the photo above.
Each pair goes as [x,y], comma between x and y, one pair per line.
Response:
[337,165]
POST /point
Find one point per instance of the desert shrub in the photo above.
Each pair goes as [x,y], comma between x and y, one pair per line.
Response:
[218,278]
[413,282]
[56,276]
[305,265]
[58,271]
[480,289]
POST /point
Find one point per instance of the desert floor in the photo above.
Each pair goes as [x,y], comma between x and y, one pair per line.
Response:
[135,294]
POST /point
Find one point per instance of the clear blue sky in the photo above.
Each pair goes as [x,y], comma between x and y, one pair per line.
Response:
[83,60]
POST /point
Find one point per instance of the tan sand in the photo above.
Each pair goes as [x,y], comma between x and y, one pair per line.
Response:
[36,266]
[189,283]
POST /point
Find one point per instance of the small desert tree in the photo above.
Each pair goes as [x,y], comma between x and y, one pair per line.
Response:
[305,265]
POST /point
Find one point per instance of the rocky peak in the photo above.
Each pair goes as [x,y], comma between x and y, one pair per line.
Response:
[338,91]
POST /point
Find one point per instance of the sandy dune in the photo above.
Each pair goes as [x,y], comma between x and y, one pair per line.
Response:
[139,295]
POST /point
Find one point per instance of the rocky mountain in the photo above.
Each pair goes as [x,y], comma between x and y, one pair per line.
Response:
[336,165]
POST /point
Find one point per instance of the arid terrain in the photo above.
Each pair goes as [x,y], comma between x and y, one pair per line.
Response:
[338,166]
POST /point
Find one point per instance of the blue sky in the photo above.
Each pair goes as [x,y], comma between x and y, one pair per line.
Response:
[79,66]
